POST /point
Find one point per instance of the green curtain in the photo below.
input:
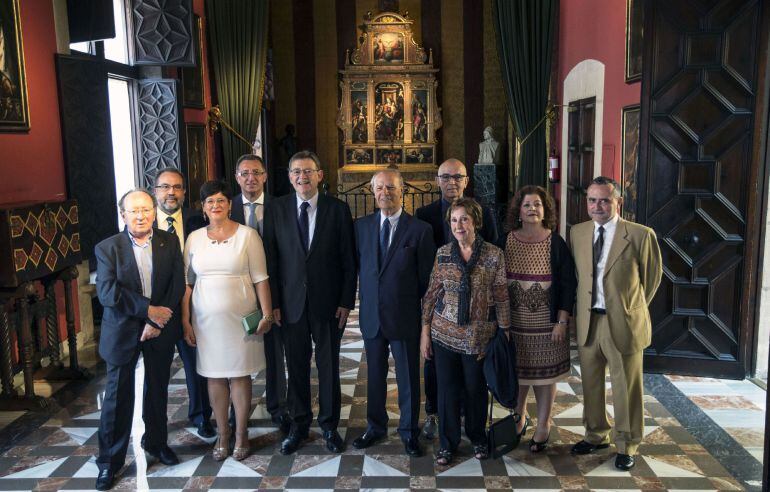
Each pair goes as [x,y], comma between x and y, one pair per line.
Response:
[525,31]
[238,46]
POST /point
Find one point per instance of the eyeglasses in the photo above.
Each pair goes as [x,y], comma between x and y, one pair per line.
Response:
[306,172]
[246,174]
[445,178]
[140,211]
[166,187]
[210,202]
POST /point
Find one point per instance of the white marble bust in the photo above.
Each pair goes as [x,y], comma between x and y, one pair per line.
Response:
[489,148]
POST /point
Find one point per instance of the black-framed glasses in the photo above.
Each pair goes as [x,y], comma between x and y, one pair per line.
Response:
[451,177]
[166,187]
[246,174]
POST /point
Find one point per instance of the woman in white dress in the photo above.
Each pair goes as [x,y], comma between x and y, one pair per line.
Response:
[226,273]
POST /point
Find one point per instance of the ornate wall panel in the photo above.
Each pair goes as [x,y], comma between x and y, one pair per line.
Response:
[163,32]
[85,117]
[158,127]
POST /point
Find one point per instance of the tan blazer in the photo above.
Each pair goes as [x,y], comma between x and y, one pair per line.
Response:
[631,277]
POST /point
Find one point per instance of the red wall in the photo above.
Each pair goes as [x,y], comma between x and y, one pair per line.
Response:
[596,29]
[32,164]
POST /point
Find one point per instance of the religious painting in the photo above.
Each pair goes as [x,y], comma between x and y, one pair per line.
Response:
[192,77]
[420,116]
[390,156]
[358,116]
[634,28]
[14,106]
[388,47]
[359,156]
[419,155]
[630,152]
[389,112]
[197,161]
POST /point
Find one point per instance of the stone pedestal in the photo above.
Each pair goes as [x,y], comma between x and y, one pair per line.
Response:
[485,184]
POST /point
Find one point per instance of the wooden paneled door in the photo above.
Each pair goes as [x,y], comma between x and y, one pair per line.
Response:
[580,164]
[701,178]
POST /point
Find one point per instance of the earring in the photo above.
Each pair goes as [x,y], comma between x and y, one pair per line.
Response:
[205,217]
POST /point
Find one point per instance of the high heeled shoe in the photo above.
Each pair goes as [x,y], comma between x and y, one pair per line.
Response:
[220,452]
[241,453]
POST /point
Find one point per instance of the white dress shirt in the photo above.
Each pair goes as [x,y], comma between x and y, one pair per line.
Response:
[178,224]
[311,213]
[259,210]
[609,234]
[143,256]
[393,224]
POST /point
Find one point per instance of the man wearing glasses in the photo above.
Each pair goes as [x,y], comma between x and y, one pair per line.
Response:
[310,247]
[452,179]
[181,221]
[249,209]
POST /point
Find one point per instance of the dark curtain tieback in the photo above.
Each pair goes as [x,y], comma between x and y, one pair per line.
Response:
[464,293]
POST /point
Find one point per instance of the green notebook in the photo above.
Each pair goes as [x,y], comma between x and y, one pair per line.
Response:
[251,321]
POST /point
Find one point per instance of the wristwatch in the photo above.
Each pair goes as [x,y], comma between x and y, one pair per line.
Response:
[269,318]
[562,322]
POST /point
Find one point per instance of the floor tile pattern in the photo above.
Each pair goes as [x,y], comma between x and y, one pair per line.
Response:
[55,451]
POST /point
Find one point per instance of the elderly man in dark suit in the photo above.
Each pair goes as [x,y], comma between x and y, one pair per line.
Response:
[172,217]
[139,281]
[395,257]
[452,179]
[248,208]
[312,271]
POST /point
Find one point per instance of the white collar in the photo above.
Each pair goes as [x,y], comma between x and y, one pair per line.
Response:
[610,225]
[260,199]
[393,218]
[313,201]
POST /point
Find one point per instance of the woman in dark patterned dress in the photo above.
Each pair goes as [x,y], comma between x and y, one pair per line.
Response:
[466,302]
[541,287]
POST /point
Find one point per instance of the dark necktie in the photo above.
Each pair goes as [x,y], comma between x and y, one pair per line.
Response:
[384,241]
[304,225]
[171,229]
[597,256]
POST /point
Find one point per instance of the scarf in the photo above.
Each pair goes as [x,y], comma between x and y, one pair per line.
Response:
[464,294]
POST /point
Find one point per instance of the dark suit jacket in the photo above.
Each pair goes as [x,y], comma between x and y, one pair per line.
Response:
[431,214]
[236,210]
[119,288]
[192,219]
[325,275]
[390,296]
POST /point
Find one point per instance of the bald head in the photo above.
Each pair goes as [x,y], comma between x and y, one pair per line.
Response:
[452,179]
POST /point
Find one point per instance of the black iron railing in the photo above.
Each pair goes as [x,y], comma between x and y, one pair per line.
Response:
[360,198]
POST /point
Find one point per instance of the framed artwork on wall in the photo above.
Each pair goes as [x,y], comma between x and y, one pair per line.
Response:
[192,77]
[634,28]
[14,105]
[197,161]
[630,152]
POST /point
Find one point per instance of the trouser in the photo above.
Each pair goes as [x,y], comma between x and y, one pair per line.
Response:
[300,338]
[275,372]
[199,409]
[406,354]
[431,390]
[118,405]
[460,378]
[627,389]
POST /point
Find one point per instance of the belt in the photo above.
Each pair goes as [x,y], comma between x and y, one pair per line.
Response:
[598,311]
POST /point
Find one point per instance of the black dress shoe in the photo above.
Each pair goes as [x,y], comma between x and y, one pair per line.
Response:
[624,462]
[334,442]
[293,441]
[162,453]
[412,447]
[283,421]
[105,479]
[367,439]
[205,429]
[585,447]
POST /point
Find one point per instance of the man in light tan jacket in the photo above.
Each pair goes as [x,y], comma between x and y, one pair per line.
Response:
[619,269]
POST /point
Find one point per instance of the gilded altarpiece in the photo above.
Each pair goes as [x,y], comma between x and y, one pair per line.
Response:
[388,110]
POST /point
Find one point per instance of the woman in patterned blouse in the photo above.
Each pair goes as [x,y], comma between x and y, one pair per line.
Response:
[541,286]
[466,302]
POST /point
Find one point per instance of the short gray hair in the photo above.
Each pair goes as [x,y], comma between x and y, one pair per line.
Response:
[388,171]
[605,181]
[122,201]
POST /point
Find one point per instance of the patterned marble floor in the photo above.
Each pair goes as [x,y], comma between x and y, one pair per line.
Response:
[55,450]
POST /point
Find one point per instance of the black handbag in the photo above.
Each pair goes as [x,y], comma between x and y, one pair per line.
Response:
[502,437]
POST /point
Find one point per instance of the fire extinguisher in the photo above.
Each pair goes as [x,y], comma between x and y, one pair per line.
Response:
[554,173]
